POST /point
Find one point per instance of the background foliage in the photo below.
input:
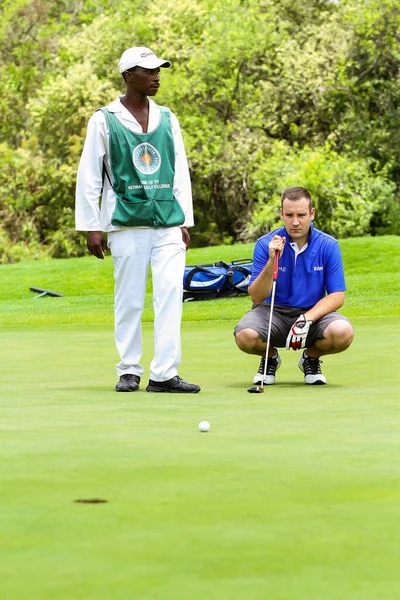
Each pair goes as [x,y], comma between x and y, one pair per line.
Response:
[269,93]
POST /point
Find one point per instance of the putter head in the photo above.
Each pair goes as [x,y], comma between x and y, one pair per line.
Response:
[258,389]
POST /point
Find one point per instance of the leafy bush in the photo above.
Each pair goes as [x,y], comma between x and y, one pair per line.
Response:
[267,93]
[346,193]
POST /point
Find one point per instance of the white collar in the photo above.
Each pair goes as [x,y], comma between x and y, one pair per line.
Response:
[296,248]
[129,120]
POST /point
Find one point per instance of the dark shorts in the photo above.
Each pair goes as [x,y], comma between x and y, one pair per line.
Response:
[282,319]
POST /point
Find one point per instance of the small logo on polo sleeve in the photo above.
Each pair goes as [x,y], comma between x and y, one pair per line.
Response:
[318,268]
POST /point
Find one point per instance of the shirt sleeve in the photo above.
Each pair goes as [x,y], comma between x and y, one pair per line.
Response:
[260,258]
[89,181]
[334,271]
[182,187]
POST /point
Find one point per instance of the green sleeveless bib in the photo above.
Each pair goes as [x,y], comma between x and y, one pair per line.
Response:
[143,169]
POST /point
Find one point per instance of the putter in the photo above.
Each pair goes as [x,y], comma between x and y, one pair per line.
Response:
[259,389]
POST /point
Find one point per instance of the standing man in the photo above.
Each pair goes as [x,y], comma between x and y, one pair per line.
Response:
[309,290]
[134,158]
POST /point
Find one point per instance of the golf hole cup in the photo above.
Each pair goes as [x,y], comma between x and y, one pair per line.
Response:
[204,426]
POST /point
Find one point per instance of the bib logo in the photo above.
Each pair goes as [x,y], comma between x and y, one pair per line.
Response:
[146,159]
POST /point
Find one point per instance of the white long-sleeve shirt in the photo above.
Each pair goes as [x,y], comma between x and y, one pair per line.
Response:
[92,182]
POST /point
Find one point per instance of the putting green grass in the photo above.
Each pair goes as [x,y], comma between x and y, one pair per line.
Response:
[294,494]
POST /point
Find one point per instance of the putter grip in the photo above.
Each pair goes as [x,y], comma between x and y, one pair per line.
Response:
[276,260]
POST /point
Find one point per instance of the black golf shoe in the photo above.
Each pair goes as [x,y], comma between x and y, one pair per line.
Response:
[128,383]
[311,368]
[176,385]
[273,365]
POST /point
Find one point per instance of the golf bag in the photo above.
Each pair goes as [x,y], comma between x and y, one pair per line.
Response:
[217,280]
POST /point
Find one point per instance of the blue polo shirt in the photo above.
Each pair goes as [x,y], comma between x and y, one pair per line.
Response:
[306,278]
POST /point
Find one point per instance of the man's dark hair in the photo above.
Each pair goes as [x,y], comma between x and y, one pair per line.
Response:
[295,193]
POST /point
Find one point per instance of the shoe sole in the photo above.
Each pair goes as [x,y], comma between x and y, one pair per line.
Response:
[259,382]
[151,388]
[135,390]
[319,382]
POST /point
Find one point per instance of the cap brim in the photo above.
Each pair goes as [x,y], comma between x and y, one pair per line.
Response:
[154,63]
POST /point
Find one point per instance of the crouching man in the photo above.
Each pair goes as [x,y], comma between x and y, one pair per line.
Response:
[309,290]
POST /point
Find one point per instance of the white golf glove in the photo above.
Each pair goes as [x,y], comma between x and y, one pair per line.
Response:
[298,334]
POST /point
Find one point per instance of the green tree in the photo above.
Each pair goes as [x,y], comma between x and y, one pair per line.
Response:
[349,197]
[260,87]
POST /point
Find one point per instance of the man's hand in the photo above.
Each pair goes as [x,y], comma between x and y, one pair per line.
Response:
[96,243]
[298,334]
[276,244]
[185,236]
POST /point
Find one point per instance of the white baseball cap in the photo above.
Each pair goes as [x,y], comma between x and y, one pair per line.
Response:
[139,56]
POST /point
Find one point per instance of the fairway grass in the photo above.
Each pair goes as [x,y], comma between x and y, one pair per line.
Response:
[294,494]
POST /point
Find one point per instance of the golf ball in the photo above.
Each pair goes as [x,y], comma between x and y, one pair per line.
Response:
[204,426]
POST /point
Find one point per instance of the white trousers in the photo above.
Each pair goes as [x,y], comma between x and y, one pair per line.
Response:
[133,250]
